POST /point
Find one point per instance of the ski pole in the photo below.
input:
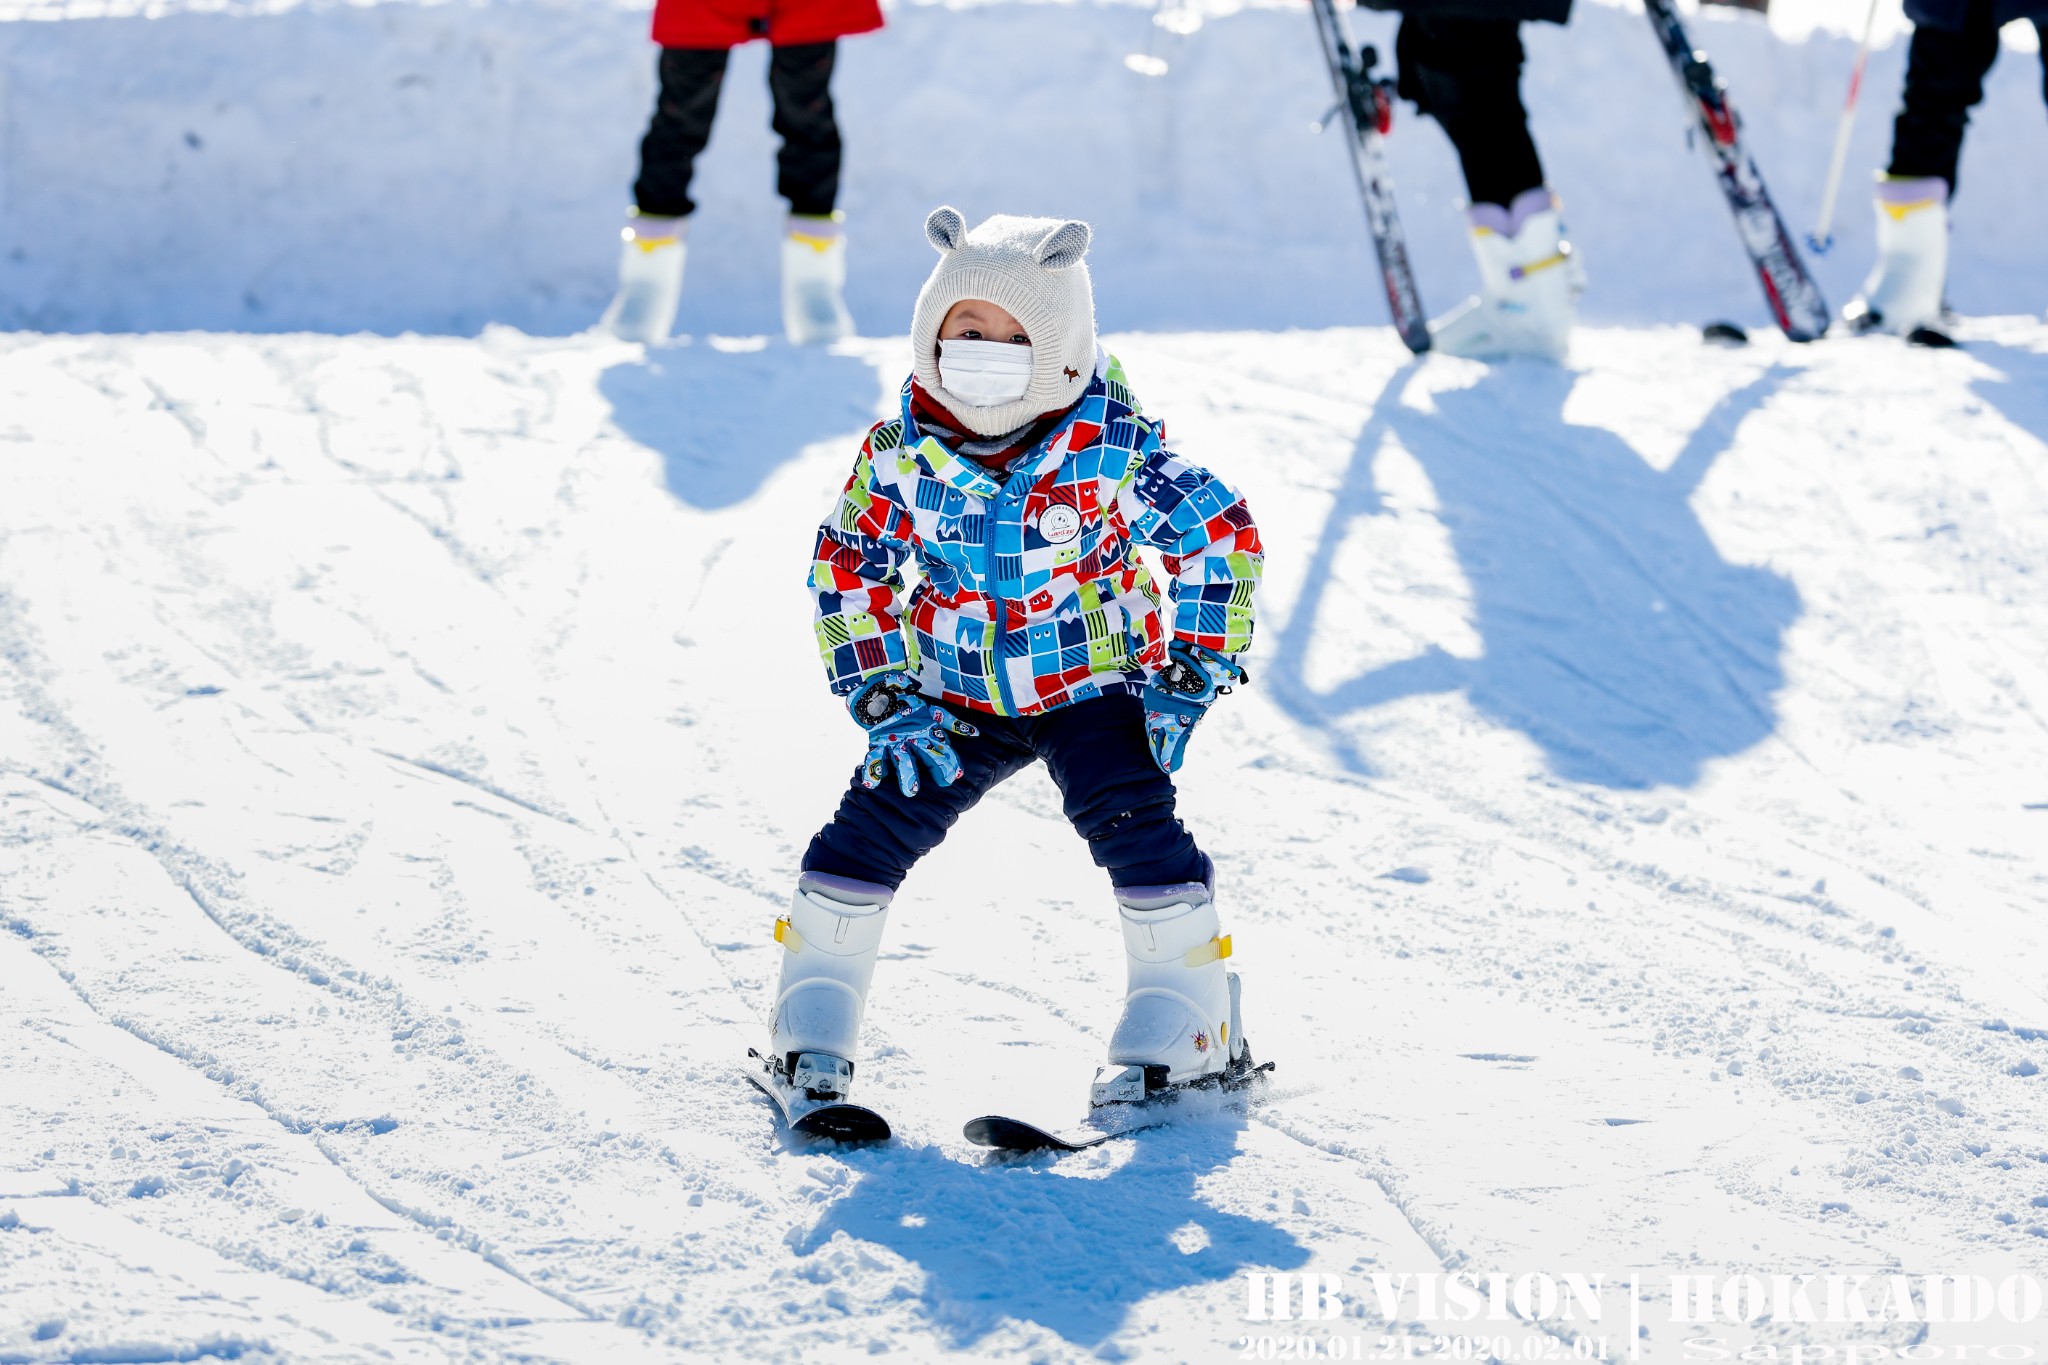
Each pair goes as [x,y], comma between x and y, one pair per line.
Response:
[1822,237]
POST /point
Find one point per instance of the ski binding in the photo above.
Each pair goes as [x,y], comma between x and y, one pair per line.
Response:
[807,1088]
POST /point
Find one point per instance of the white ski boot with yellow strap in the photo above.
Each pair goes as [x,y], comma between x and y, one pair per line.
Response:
[1529,282]
[651,256]
[1903,294]
[814,280]
[829,939]
[1180,1028]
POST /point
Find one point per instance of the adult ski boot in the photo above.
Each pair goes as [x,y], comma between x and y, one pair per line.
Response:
[814,280]
[651,258]
[1180,1029]
[1903,294]
[830,939]
[1529,281]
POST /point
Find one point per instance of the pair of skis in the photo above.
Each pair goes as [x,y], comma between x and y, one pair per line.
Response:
[1795,300]
[842,1121]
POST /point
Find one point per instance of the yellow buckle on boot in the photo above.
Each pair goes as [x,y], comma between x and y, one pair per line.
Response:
[787,936]
[1555,258]
[819,241]
[1215,950]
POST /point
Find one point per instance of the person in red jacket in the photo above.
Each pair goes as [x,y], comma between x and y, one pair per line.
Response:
[696,36]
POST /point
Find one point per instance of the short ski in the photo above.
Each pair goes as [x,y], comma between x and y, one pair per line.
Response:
[805,1113]
[1118,1120]
[1368,106]
[1015,1135]
[1794,298]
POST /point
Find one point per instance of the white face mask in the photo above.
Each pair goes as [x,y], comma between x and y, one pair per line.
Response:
[985,373]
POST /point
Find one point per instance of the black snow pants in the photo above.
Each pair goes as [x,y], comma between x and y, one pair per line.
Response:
[799,80]
[1114,795]
[1467,74]
[1945,71]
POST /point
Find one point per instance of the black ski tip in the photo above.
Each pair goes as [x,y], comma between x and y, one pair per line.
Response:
[1724,334]
[1931,337]
[1013,1135]
[839,1122]
[844,1123]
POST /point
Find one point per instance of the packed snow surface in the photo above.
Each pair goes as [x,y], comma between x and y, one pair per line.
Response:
[1631,839]
[1632,836]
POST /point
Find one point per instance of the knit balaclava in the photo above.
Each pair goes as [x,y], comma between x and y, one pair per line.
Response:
[1032,267]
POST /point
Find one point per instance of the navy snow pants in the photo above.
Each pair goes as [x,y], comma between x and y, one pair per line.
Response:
[1115,796]
[1945,69]
[1467,74]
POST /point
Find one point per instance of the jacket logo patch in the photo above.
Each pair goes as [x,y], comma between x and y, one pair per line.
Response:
[1059,524]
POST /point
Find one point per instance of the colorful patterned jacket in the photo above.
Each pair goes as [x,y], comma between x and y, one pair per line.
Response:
[1032,594]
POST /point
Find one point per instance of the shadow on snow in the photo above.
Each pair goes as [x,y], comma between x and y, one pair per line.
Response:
[723,421]
[2020,391]
[1614,634]
[1072,1252]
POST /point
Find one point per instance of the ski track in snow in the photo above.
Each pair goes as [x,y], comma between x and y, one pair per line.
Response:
[1631,840]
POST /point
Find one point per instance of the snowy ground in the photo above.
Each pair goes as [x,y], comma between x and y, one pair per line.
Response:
[1632,838]
[1633,843]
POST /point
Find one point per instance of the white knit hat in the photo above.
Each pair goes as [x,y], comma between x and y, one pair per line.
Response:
[1031,267]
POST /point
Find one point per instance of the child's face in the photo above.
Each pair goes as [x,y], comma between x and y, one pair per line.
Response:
[980,320]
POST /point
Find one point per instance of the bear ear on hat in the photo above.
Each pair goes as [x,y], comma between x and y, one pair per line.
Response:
[946,229]
[1064,246]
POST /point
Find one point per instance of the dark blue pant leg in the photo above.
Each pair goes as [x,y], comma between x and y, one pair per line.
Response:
[680,129]
[1944,80]
[807,167]
[875,836]
[1116,797]
[1467,74]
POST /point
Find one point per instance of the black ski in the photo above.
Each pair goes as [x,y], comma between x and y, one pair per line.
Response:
[1123,1119]
[1794,298]
[809,1114]
[1368,104]
[1015,1135]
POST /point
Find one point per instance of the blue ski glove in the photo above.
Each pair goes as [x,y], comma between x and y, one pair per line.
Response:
[904,729]
[1178,694]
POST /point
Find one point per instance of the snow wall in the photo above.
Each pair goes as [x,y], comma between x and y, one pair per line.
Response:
[434,168]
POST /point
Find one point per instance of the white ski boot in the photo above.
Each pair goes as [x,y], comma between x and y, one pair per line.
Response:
[814,281]
[650,278]
[1180,1025]
[1529,281]
[1903,293]
[830,939]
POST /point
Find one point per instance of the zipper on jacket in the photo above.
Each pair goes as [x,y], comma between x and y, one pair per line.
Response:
[999,613]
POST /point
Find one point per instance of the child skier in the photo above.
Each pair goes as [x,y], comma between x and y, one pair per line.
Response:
[696,37]
[1022,477]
